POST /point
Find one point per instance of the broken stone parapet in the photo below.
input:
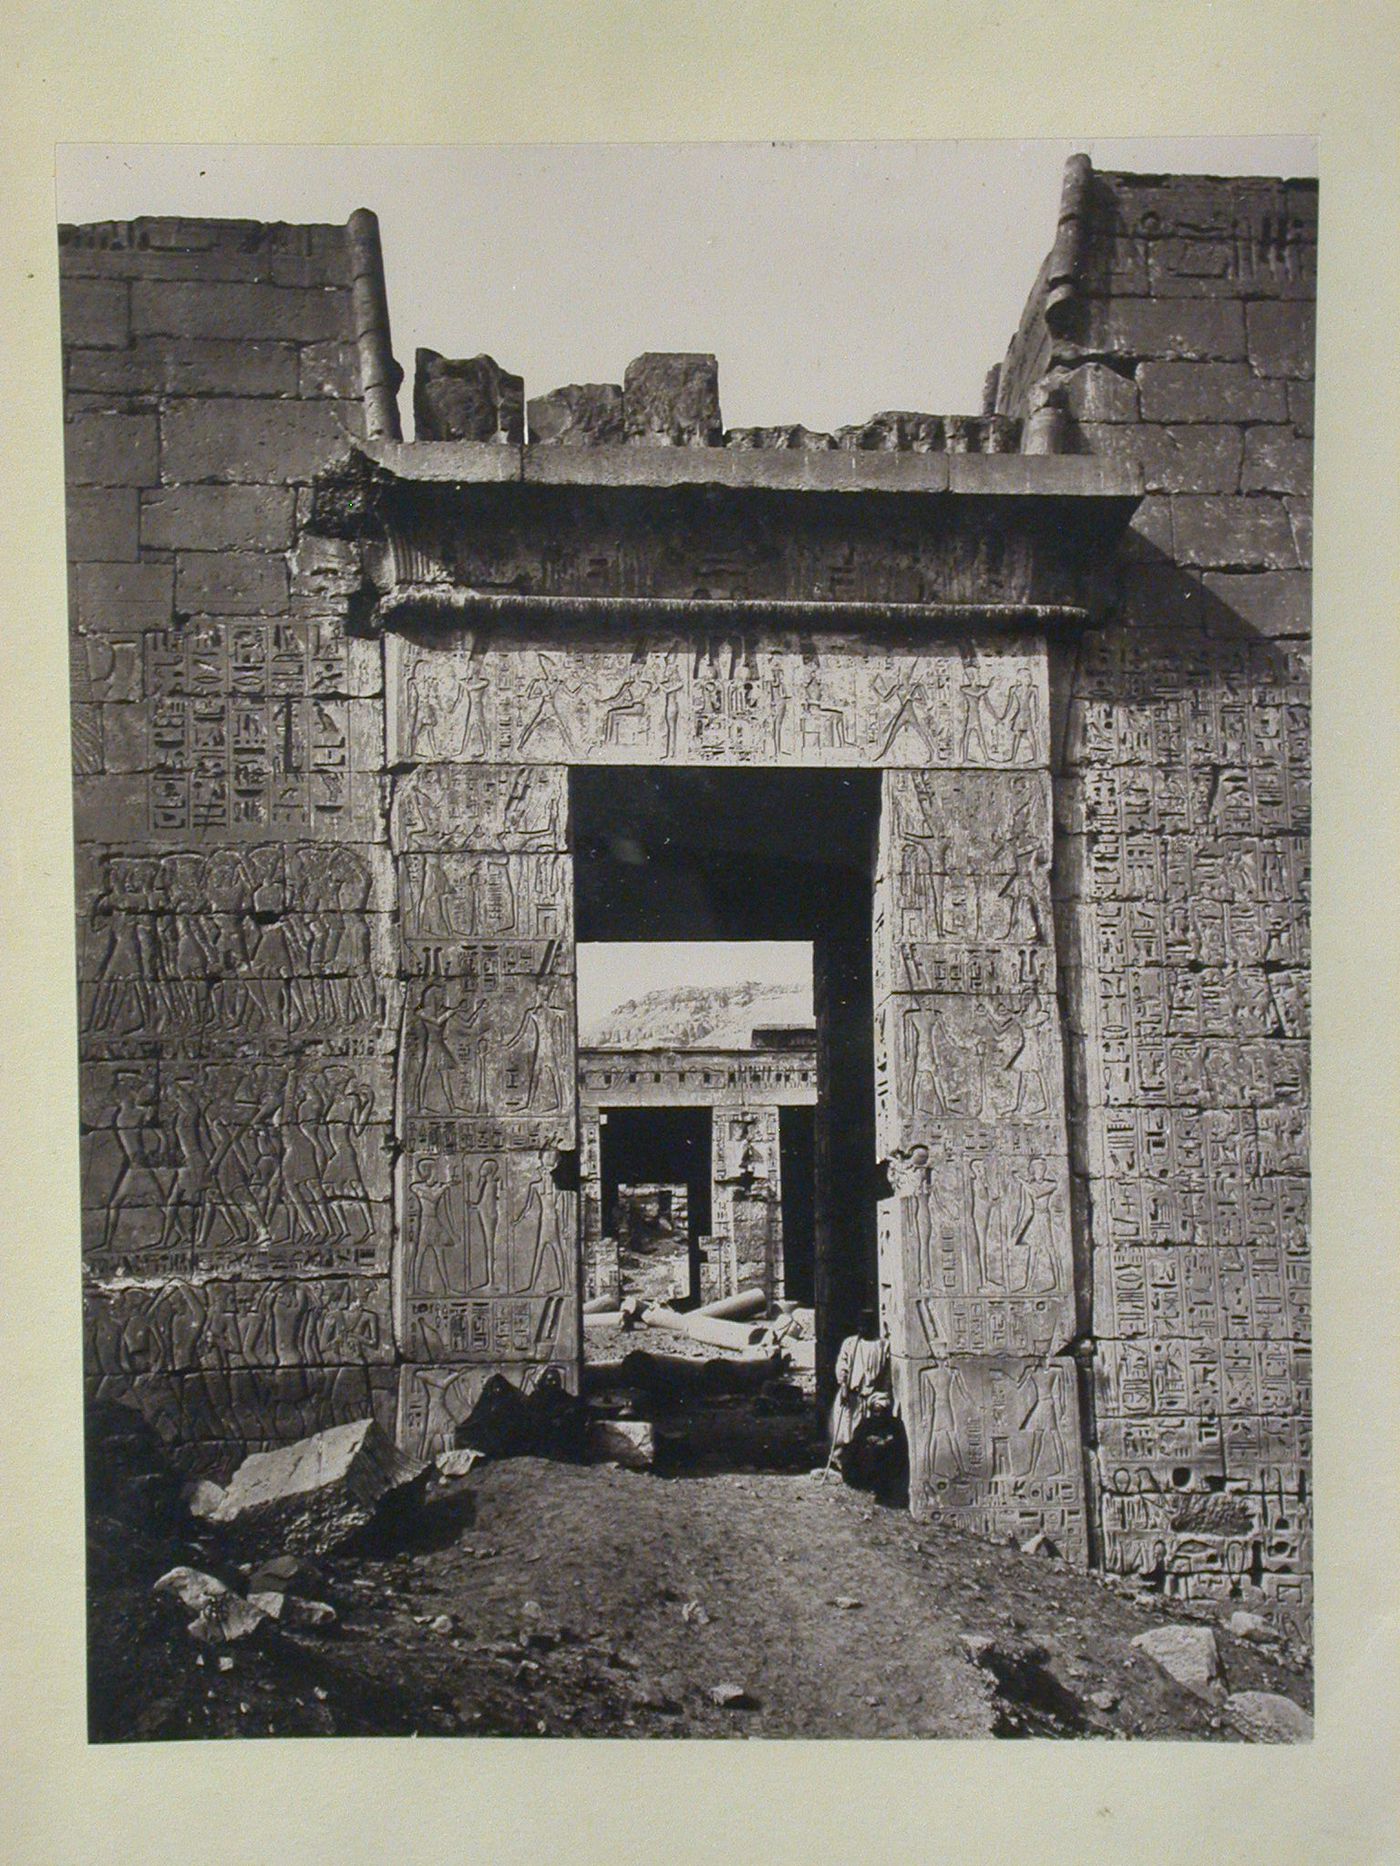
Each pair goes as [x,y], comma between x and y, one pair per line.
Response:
[315,1495]
[901,431]
[583,414]
[670,398]
[470,400]
[804,440]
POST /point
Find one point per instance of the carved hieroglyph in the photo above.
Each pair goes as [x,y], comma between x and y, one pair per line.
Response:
[1184,863]
[232,729]
[741,699]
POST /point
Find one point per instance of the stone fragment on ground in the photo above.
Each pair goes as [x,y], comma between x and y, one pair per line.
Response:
[458,1461]
[203,1496]
[319,1493]
[1267,1717]
[628,1442]
[286,1574]
[191,1587]
[1252,1626]
[1188,1655]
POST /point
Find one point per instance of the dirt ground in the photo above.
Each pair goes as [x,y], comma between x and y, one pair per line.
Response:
[539,1598]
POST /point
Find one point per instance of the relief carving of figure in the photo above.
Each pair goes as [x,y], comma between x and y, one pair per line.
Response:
[538,1219]
[445,709]
[910,714]
[943,1392]
[1032,1259]
[911,1179]
[628,704]
[824,726]
[990,1245]
[433,1186]
[1021,718]
[483,1202]
[137,1141]
[437,1061]
[544,691]
[1043,1426]
[540,1032]
[1021,893]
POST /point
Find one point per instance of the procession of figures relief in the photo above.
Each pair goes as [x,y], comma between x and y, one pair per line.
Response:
[975,1236]
[735,699]
[239,1007]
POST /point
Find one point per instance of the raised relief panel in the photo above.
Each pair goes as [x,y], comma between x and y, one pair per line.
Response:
[181,1324]
[962,884]
[188,1017]
[995,1444]
[482,1069]
[487,1267]
[486,917]
[971,1067]
[978,1252]
[513,808]
[211,1418]
[777,700]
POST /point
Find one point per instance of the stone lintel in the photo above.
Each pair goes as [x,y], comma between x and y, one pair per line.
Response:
[778,469]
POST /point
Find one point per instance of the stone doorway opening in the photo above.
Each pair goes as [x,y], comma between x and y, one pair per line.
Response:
[654,1178]
[689,854]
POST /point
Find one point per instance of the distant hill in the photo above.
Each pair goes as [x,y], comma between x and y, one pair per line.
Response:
[696,1017]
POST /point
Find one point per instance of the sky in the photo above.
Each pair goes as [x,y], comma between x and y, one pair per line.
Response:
[832,280]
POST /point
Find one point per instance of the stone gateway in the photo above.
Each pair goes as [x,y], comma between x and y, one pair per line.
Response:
[1006,713]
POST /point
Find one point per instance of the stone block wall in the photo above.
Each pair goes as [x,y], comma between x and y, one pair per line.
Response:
[237,981]
[1173,326]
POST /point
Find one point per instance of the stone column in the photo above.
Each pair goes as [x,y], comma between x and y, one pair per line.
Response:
[975,1242]
[745,1191]
[487,1254]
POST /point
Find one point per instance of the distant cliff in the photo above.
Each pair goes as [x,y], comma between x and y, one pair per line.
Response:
[700,1016]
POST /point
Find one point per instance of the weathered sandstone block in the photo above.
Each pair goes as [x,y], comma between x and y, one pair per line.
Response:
[316,1494]
[670,398]
[582,414]
[468,399]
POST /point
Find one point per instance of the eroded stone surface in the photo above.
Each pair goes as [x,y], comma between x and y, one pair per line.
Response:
[671,399]
[584,414]
[471,399]
[313,1495]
